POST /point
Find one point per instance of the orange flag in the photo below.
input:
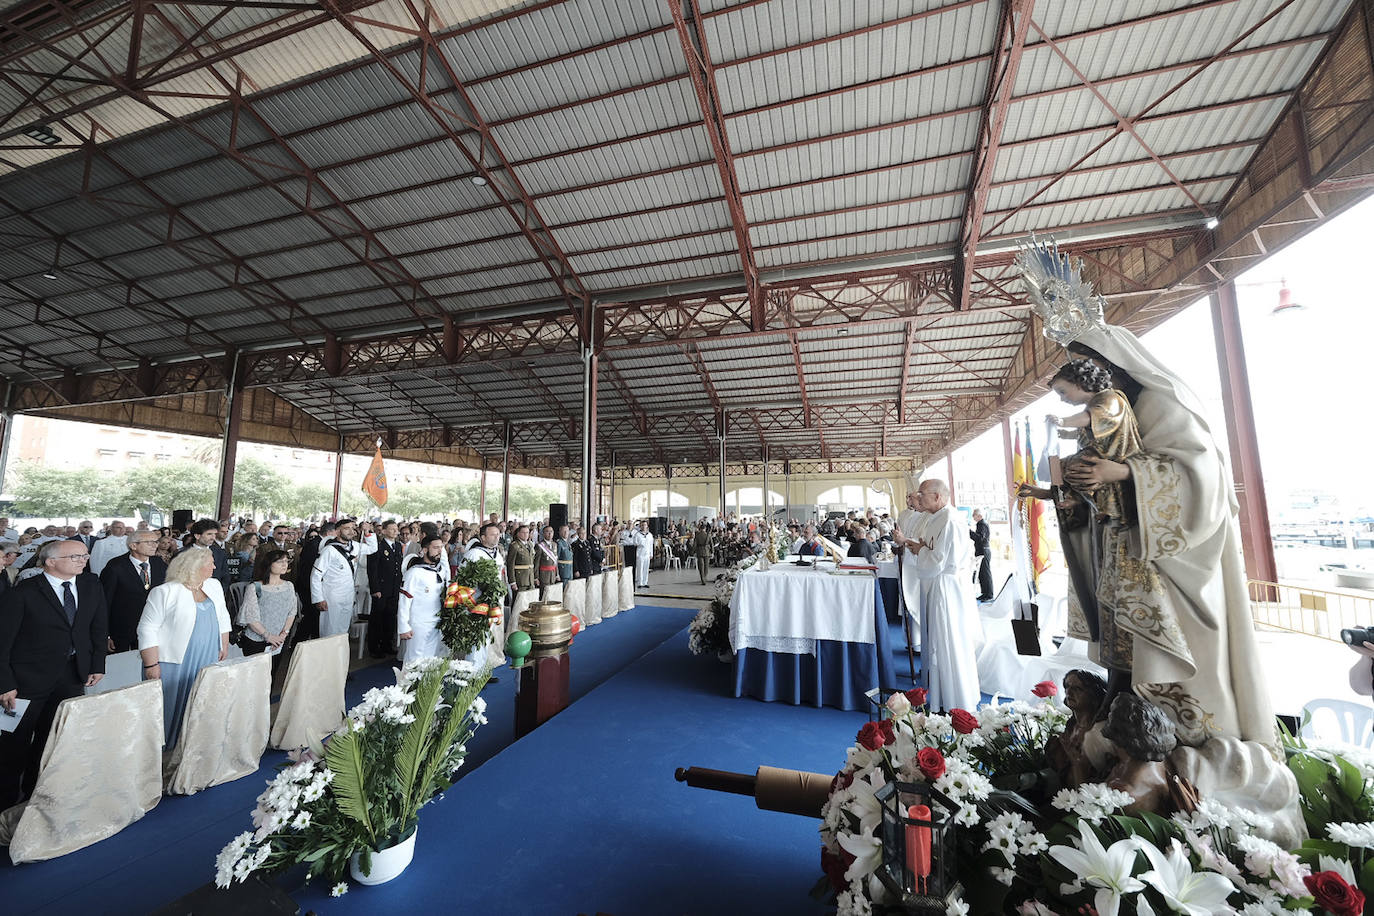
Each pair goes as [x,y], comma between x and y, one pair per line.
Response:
[374,484]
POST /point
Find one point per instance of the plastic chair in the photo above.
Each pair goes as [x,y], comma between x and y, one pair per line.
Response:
[674,562]
[358,631]
[1355,721]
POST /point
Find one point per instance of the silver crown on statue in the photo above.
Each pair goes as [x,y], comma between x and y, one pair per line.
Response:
[1058,293]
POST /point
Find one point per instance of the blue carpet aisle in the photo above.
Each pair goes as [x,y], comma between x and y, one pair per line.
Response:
[583,815]
[172,850]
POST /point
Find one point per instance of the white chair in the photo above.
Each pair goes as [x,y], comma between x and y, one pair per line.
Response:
[312,700]
[358,631]
[1354,721]
[691,561]
[123,669]
[225,727]
[101,771]
[674,562]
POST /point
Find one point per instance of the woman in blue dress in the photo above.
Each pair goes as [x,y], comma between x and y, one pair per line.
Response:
[184,627]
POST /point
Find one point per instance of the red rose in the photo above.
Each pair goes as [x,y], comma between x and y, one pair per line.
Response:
[917,696]
[841,781]
[888,730]
[931,762]
[964,721]
[871,736]
[1045,689]
[1334,895]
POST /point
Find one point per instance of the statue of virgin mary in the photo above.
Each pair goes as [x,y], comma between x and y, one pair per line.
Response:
[1162,598]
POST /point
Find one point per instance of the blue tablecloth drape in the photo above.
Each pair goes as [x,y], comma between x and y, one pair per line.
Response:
[837,675]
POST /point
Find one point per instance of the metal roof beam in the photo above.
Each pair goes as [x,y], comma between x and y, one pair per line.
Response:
[486,156]
[1013,23]
[698,58]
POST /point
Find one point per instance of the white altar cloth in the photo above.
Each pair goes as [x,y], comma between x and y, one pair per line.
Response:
[786,608]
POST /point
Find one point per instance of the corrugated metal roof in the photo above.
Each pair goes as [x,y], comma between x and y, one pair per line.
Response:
[853,129]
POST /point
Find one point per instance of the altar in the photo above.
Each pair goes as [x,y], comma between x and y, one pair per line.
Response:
[808,635]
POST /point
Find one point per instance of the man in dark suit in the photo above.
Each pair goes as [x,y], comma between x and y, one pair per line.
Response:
[205,532]
[982,554]
[384,581]
[126,581]
[53,632]
[85,533]
[310,552]
[8,554]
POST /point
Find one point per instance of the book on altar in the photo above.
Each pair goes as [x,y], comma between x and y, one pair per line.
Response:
[9,721]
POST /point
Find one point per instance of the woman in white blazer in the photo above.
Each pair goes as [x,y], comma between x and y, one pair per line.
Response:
[184,627]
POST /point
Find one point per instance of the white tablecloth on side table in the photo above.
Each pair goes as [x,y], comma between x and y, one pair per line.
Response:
[786,608]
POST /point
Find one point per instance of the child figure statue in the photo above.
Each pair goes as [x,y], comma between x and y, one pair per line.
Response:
[1106,428]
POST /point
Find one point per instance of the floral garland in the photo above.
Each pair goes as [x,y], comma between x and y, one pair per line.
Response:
[1080,852]
[363,787]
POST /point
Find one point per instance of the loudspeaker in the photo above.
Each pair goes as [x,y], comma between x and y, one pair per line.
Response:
[658,526]
[558,515]
[182,518]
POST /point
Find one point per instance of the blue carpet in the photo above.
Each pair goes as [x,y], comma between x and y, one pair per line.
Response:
[172,850]
[584,815]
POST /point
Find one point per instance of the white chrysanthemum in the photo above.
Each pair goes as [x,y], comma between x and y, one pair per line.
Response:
[338,890]
[1004,875]
[1033,843]
[229,857]
[967,816]
[1358,835]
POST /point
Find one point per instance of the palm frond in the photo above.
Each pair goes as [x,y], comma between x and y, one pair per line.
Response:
[415,745]
[457,718]
[344,756]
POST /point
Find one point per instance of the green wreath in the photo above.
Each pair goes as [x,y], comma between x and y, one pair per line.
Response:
[485,578]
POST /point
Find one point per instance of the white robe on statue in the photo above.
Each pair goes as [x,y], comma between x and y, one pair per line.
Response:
[910,522]
[645,542]
[1175,583]
[333,579]
[951,629]
[496,650]
[417,611]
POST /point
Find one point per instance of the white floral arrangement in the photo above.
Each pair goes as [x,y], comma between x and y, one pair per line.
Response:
[1080,852]
[362,788]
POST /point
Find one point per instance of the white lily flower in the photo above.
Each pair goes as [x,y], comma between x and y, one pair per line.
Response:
[1341,867]
[866,850]
[1109,870]
[1184,890]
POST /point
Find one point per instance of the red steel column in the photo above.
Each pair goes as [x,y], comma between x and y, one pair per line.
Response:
[949,469]
[229,446]
[338,478]
[1256,540]
[1011,467]
[482,494]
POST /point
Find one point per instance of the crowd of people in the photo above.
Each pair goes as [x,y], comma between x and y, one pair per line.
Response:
[70,596]
[179,597]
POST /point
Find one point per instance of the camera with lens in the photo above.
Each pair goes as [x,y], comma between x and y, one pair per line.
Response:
[1357,636]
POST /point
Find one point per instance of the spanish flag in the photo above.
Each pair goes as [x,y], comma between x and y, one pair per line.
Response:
[1032,510]
[1035,528]
[374,484]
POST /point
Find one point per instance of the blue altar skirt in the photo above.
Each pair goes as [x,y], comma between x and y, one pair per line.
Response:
[837,675]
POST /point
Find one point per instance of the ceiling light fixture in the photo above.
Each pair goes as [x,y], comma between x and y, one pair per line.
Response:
[1286,304]
[1212,222]
[50,273]
[479,180]
[43,134]
[842,331]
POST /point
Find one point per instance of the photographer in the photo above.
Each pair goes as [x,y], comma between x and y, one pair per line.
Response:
[1362,673]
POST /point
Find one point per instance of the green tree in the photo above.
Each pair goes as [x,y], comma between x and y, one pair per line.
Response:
[258,487]
[169,485]
[48,492]
[307,499]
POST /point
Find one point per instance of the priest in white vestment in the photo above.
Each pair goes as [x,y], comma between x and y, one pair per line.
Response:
[942,558]
[488,548]
[909,524]
[333,579]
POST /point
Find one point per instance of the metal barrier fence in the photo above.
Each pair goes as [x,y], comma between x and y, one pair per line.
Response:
[1300,609]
